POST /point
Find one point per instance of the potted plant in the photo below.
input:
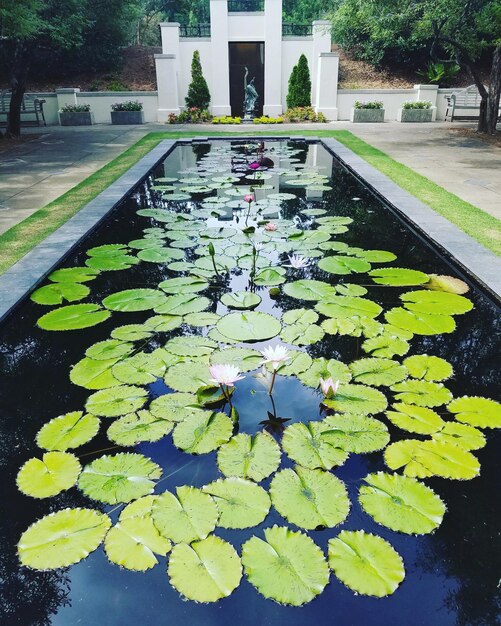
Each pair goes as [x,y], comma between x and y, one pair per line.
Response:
[367,112]
[419,111]
[128,112]
[76,115]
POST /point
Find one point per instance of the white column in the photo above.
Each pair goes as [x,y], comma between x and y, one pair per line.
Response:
[321,44]
[168,95]
[272,58]
[326,84]
[169,32]
[67,95]
[220,70]
[428,93]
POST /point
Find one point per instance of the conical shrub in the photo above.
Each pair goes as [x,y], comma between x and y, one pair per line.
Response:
[198,91]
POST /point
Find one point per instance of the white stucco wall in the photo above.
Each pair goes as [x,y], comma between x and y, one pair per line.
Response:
[292,49]
[246,26]
[186,48]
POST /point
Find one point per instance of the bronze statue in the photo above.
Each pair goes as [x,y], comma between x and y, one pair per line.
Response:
[250,96]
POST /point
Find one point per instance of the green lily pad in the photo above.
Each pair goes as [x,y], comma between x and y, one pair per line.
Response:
[188,516]
[62,538]
[174,407]
[343,265]
[298,362]
[183,284]
[324,368]
[241,503]
[386,346]
[287,566]
[55,472]
[116,401]
[131,332]
[56,293]
[436,302]
[398,277]
[421,459]
[401,503]
[241,300]
[245,359]
[134,300]
[135,428]
[348,306]
[202,319]
[304,444]
[163,323]
[354,433]
[140,369]
[191,346]
[377,256]
[205,571]
[357,399]
[119,478]
[366,563]
[427,367]
[415,419]
[475,411]
[133,542]
[160,255]
[183,304]
[310,290]
[249,326]
[309,498]
[377,372]
[187,376]
[420,323]
[112,262]
[73,317]
[109,349]
[93,374]
[249,456]
[355,326]
[67,431]
[300,335]
[422,393]
[270,276]
[202,432]
[467,437]
[73,275]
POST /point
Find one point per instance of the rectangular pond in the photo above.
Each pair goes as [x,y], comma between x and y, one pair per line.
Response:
[135,489]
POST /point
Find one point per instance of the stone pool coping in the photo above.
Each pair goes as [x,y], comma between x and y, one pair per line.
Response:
[475,260]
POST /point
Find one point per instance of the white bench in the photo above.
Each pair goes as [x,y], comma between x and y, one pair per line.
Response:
[465,100]
[30,106]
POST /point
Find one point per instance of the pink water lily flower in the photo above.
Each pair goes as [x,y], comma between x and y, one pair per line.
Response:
[249,198]
[329,387]
[275,355]
[270,227]
[298,262]
[224,374]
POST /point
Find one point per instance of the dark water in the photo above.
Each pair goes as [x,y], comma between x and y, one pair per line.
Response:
[452,576]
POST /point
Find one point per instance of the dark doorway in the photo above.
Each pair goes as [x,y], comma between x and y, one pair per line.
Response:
[246,55]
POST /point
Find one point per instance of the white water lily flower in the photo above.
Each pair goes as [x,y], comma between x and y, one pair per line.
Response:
[224,374]
[275,355]
[265,378]
[329,387]
[298,262]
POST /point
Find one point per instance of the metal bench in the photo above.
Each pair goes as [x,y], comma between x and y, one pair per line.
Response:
[30,106]
[465,100]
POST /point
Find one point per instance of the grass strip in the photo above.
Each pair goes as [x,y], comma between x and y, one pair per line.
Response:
[20,239]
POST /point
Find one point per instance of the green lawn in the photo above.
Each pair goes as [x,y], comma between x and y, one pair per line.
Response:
[20,239]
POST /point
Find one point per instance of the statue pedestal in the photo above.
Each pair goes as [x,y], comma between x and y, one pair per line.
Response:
[247,120]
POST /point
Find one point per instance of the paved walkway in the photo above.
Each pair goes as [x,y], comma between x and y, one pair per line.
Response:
[36,172]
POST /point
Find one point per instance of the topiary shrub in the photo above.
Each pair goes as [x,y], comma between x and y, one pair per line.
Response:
[198,91]
[299,92]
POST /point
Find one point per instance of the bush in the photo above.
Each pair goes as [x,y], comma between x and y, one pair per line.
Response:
[264,119]
[299,92]
[375,104]
[198,91]
[128,105]
[419,104]
[193,115]
[226,119]
[439,73]
[75,108]
[303,114]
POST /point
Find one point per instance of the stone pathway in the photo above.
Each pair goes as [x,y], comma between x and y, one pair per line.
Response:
[38,171]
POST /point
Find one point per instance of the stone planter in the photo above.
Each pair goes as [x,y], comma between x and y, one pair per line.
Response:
[83,118]
[127,117]
[416,115]
[367,115]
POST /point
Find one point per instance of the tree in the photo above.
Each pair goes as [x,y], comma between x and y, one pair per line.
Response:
[451,31]
[299,92]
[198,91]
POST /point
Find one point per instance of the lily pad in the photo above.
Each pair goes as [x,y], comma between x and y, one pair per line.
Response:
[134,300]
[366,563]
[415,419]
[68,431]
[309,498]
[160,255]
[187,376]
[205,571]
[185,517]
[55,472]
[401,503]
[244,358]
[427,367]
[202,432]
[475,411]
[140,369]
[377,372]
[422,393]
[94,374]
[241,503]
[301,335]
[310,290]
[249,456]
[398,277]
[241,300]
[304,444]
[287,566]
[343,265]
[386,346]
[324,368]
[135,428]
[357,399]
[348,306]
[249,326]
[449,284]
[436,302]
[420,323]
[119,478]
[183,304]
[73,275]
[462,435]
[183,284]
[56,293]
[299,362]
[354,433]
[109,349]
[174,407]
[73,317]
[191,346]
[116,401]
[202,319]
[62,538]
[131,332]
[270,276]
